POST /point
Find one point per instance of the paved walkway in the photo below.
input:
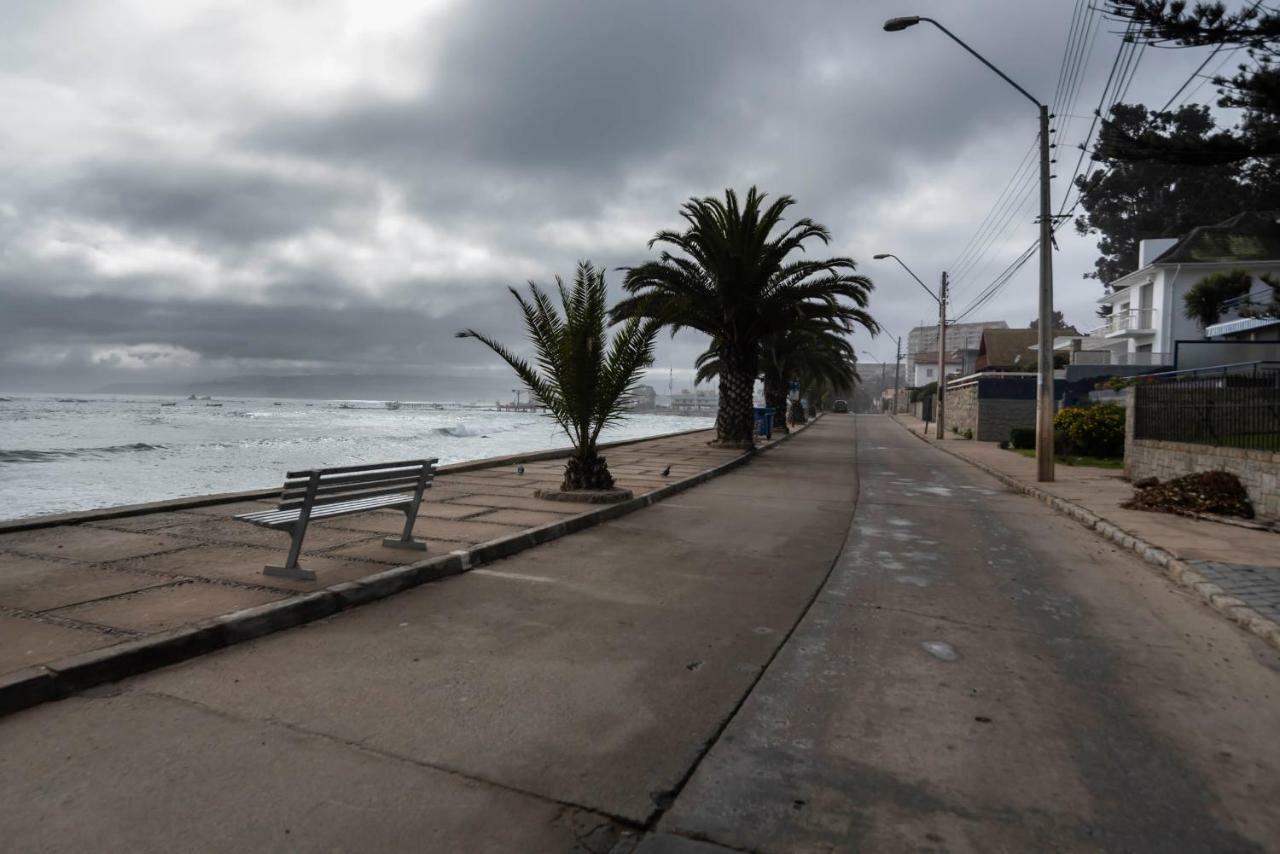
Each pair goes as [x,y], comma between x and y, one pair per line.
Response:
[78,587]
[1245,563]
[554,701]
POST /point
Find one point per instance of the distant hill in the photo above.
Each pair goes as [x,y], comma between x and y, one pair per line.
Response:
[330,387]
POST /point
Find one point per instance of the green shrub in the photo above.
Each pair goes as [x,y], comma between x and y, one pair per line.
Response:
[1092,431]
[1023,438]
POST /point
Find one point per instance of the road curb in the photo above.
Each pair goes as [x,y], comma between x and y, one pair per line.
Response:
[58,679]
[1179,571]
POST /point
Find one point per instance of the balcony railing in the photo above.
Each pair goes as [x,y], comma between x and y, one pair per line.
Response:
[1106,357]
[1130,320]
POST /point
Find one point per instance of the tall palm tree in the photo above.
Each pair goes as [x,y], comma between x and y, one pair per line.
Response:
[583,386]
[733,281]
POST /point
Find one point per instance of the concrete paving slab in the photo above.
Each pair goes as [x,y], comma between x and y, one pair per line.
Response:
[149,774]
[146,522]
[233,532]
[30,641]
[232,508]
[162,608]
[243,564]
[38,584]
[463,530]
[493,502]
[526,518]
[91,545]
[374,551]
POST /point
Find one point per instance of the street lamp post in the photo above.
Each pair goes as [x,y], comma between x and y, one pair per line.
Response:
[941,299]
[1044,382]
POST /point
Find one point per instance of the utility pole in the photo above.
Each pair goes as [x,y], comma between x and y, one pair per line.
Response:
[1044,378]
[897,363]
[942,356]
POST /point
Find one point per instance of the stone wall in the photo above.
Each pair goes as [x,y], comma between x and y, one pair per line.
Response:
[1259,471]
[962,409]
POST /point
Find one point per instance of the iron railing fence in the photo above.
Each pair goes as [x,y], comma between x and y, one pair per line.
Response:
[1235,406]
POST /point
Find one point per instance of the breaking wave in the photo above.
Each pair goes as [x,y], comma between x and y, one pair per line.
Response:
[74,453]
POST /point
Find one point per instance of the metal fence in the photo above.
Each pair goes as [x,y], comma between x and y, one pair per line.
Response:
[1235,406]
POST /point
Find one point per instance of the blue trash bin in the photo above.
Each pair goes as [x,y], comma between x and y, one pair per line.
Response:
[764,421]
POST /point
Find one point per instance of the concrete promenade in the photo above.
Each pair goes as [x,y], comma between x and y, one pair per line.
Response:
[843,645]
[77,587]
[1236,568]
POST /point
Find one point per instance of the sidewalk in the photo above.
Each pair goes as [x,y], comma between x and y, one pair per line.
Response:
[1235,569]
[76,588]
[553,701]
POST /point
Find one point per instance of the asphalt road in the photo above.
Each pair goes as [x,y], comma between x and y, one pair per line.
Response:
[847,645]
[981,674]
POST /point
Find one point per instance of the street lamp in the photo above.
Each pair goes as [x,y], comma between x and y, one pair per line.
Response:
[941,299]
[1044,382]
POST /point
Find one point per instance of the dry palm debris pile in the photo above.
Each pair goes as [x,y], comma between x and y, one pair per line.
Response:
[1217,492]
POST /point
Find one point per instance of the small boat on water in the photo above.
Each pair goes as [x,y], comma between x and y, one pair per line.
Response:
[168,404]
[345,406]
[214,405]
[392,404]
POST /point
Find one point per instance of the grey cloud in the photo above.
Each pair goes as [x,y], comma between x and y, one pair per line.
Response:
[537,113]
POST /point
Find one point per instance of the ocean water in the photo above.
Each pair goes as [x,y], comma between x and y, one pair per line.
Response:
[64,453]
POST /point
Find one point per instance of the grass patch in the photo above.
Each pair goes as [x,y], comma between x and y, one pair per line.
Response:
[1072,460]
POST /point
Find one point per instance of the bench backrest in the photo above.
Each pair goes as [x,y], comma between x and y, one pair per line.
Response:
[318,487]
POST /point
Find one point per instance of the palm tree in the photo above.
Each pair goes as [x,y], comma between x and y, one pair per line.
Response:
[813,353]
[733,282]
[583,386]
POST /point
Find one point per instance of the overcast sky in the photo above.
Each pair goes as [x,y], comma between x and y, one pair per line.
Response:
[203,189]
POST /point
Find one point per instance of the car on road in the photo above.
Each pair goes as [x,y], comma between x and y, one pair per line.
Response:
[840,406]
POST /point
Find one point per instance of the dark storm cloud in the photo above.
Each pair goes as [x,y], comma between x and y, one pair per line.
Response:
[225,206]
[197,191]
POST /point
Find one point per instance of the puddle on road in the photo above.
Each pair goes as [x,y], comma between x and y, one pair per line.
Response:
[941,649]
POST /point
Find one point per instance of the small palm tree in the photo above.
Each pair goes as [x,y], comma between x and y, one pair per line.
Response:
[583,385]
[735,280]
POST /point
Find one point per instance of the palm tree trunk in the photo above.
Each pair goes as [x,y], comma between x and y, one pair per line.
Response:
[735,422]
[586,469]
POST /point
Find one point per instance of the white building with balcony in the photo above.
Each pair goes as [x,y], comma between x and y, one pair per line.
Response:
[1148,315]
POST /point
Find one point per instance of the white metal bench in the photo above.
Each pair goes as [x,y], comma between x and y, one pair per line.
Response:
[328,493]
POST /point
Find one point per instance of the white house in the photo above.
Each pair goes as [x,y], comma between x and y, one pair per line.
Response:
[1148,313]
[926,366]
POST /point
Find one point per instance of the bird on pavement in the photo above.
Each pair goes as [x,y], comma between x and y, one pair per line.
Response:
[666,471]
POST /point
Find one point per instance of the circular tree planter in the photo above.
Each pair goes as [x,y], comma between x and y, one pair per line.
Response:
[585,496]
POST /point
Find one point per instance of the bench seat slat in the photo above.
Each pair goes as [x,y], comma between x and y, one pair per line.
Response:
[366,467]
[362,477]
[324,500]
[281,518]
[407,481]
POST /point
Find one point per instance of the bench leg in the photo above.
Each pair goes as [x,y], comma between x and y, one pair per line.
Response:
[406,540]
[291,568]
